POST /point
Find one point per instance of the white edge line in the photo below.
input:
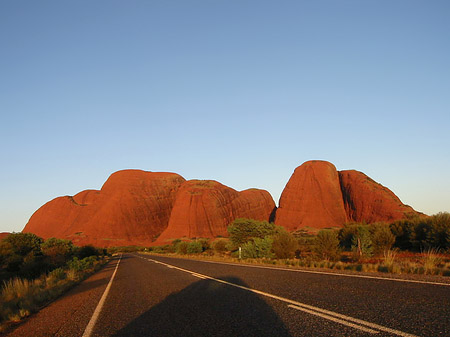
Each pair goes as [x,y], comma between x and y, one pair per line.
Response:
[298,304]
[98,309]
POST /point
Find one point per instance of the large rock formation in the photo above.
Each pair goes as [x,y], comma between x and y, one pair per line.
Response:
[312,198]
[318,196]
[366,200]
[204,208]
[133,207]
[3,235]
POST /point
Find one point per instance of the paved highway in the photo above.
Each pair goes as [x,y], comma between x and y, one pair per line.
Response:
[143,295]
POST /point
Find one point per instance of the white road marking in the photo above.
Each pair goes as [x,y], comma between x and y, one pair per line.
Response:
[314,310]
[98,309]
[327,273]
[337,320]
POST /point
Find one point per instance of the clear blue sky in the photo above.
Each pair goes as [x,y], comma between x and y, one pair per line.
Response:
[237,91]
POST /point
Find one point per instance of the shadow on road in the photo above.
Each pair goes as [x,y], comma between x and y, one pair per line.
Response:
[208,308]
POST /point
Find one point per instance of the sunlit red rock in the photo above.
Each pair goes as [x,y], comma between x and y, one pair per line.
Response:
[3,235]
[204,208]
[133,207]
[368,201]
[312,198]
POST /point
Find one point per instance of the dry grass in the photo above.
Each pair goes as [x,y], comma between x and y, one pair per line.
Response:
[393,261]
[431,261]
[21,297]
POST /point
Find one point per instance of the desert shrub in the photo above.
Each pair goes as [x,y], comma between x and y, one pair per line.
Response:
[382,239]
[86,251]
[284,245]
[439,236]
[346,235]
[258,248]
[362,243]
[194,247]
[57,251]
[220,246]
[205,244]
[403,231]
[182,247]
[157,249]
[83,264]
[57,274]
[24,243]
[242,230]
[327,245]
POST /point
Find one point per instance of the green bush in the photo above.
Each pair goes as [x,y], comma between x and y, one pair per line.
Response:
[194,247]
[86,251]
[242,230]
[181,247]
[258,248]
[327,245]
[57,274]
[362,243]
[220,246]
[382,239]
[284,245]
[57,251]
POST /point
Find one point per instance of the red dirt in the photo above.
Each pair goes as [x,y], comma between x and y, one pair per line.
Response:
[312,198]
[204,208]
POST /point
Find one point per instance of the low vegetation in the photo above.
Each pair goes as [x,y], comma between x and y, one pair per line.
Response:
[33,272]
[415,246]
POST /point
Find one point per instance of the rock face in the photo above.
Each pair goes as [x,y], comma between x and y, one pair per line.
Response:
[312,198]
[318,196]
[204,208]
[3,235]
[136,207]
[366,200]
[133,207]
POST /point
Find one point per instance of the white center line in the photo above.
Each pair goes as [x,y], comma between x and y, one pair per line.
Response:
[98,309]
[334,316]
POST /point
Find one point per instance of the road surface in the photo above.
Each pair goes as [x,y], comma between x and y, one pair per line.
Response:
[144,295]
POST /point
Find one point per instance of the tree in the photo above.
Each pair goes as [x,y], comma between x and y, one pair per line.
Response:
[284,245]
[194,247]
[361,242]
[382,239]
[24,243]
[58,251]
[258,248]
[243,230]
[327,244]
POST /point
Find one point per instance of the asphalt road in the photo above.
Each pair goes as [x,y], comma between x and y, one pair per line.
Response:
[162,296]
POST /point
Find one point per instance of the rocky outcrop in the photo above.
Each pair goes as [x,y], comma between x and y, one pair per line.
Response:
[136,207]
[133,207]
[204,208]
[312,198]
[4,235]
[318,196]
[367,201]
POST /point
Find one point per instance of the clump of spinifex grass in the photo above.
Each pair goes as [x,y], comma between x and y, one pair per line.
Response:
[20,297]
[431,261]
